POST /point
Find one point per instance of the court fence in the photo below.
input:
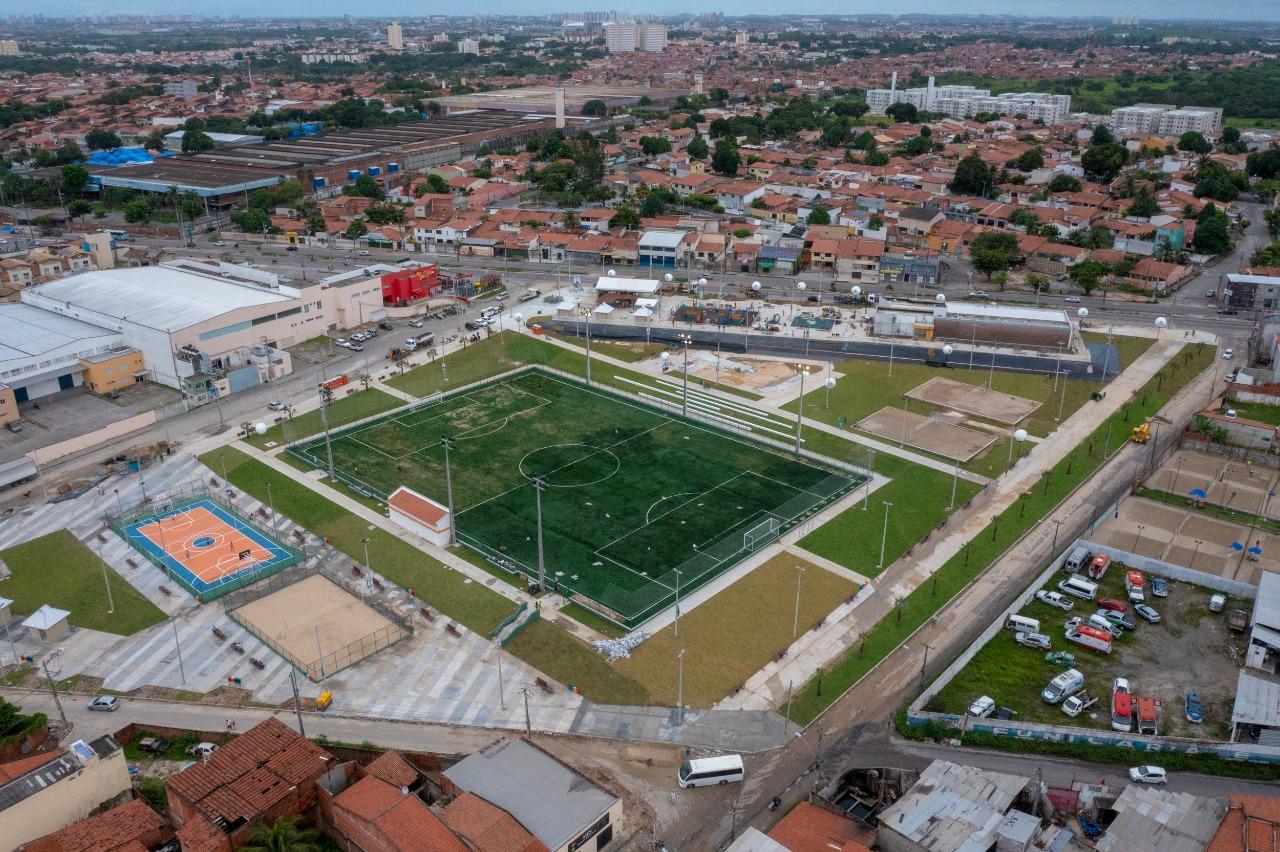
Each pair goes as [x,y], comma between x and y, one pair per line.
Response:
[335,661]
[182,496]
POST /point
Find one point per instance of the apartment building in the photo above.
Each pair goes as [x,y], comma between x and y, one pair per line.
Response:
[629,37]
[395,36]
[1166,119]
[187,90]
[967,101]
[469,45]
[9,47]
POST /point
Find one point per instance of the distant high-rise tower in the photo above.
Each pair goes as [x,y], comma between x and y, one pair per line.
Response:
[741,38]
[395,36]
[630,37]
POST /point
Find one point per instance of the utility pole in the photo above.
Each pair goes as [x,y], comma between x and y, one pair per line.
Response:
[448,442]
[272,504]
[538,484]
[111,604]
[177,644]
[528,727]
[795,618]
[884,535]
[324,420]
[680,686]
[44,664]
[297,702]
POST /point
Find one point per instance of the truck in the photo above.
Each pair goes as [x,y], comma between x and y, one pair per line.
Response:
[1064,685]
[336,382]
[1078,703]
[1141,433]
[1090,637]
[1098,567]
[1149,716]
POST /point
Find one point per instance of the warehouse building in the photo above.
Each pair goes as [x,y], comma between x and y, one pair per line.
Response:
[42,353]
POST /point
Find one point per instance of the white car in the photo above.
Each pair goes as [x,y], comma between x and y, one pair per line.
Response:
[1072,300]
[982,707]
[1057,599]
[341,341]
[416,323]
[219,243]
[364,253]
[1148,775]
[1227,353]
[1033,640]
[275,406]
[202,749]
[108,703]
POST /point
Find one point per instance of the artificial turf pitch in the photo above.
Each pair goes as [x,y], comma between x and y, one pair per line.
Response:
[633,494]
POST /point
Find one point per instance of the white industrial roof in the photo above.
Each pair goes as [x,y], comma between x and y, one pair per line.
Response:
[954,808]
[662,239]
[27,332]
[1257,701]
[155,296]
[614,284]
[1010,312]
[45,617]
[1237,278]
[1155,818]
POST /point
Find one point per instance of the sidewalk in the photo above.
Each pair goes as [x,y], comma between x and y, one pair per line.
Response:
[820,648]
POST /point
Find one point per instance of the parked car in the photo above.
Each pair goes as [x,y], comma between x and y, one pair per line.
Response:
[1078,703]
[1057,599]
[1227,354]
[202,749]
[1112,603]
[1148,775]
[219,243]
[982,707]
[1072,300]
[1228,312]
[370,333]
[1119,619]
[979,294]
[475,324]
[1066,684]
[153,745]
[275,405]
[341,341]
[105,703]
[364,253]
[290,248]
[13,426]
[1033,640]
[1159,587]
[385,326]
[1192,708]
[416,323]
[1148,614]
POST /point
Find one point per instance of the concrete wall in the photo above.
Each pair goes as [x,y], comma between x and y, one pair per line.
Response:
[75,797]
[1149,565]
[89,440]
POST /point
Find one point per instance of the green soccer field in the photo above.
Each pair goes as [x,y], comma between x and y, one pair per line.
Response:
[633,497]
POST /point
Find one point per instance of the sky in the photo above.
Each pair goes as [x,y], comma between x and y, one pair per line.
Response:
[1239,10]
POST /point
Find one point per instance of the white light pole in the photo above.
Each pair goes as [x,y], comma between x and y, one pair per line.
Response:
[111,604]
[680,685]
[448,442]
[684,403]
[677,615]
[804,371]
[795,618]
[538,484]
[884,534]
[1161,322]
[830,383]
[1019,436]
[585,313]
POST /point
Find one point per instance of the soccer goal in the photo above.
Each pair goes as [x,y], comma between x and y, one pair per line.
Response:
[760,533]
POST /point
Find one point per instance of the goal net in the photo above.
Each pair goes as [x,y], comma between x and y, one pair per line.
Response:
[760,533]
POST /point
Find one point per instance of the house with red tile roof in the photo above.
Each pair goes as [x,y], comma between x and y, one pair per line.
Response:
[131,827]
[809,828]
[1152,274]
[379,817]
[487,827]
[1251,824]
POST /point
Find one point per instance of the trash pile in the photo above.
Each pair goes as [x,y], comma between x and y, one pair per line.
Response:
[620,649]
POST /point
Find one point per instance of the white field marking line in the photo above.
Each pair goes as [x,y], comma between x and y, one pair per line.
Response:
[796,487]
[542,402]
[668,497]
[675,508]
[375,449]
[562,467]
[468,435]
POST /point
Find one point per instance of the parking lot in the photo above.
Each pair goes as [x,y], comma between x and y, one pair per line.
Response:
[1189,650]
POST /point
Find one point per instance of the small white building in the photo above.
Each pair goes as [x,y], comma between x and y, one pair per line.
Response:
[420,515]
[49,623]
[625,292]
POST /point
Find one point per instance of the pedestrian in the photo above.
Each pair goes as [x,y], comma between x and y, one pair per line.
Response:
[228,724]
[673,797]
[233,726]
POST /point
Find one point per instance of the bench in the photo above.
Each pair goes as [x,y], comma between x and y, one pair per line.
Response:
[544,686]
[102,538]
[453,630]
[131,562]
[426,613]
[164,590]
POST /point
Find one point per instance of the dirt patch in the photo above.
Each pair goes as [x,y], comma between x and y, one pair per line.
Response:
[932,434]
[763,375]
[978,401]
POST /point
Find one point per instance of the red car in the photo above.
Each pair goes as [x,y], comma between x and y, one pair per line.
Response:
[1112,604]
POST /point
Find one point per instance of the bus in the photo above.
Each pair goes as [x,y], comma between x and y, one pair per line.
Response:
[121,236]
[711,770]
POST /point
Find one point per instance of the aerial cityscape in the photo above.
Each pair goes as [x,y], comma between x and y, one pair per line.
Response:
[649,428]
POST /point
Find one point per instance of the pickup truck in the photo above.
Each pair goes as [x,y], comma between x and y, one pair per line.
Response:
[1078,703]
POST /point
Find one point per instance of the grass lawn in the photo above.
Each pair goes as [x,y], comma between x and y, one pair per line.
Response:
[1128,348]
[920,497]
[629,351]
[58,570]
[1255,411]
[570,660]
[731,636]
[987,546]
[472,364]
[345,409]
[449,591]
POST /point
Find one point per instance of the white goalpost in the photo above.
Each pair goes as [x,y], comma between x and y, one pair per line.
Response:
[760,533]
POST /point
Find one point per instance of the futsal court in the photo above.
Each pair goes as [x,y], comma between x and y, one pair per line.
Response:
[204,546]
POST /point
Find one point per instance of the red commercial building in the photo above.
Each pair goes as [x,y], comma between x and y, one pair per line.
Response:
[410,285]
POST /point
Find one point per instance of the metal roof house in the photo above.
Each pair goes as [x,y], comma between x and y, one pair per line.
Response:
[49,622]
[554,803]
[951,808]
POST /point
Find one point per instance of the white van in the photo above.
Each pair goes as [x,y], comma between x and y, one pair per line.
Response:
[1023,624]
[1078,559]
[1079,587]
[1068,683]
[706,771]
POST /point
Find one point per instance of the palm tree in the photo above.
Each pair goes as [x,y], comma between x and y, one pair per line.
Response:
[432,354]
[287,834]
[365,379]
[290,410]
[246,427]
[400,362]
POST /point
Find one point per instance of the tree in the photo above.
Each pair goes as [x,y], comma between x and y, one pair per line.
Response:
[1029,161]
[654,145]
[195,141]
[993,251]
[875,223]
[1037,282]
[384,214]
[355,230]
[570,220]
[915,146]
[624,216]
[1194,142]
[973,176]
[436,184]
[1104,162]
[1064,183]
[1088,274]
[819,216]
[1264,164]
[137,211]
[1266,256]
[74,178]
[726,159]
[100,139]
[251,221]
[1101,136]
[287,834]
[903,112]
[1216,181]
[653,205]
[595,107]
[366,186]
[1143,206]
[1211,232]
[697,148]
[875,158]
[865,141]
[1024,217]
[78,207]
